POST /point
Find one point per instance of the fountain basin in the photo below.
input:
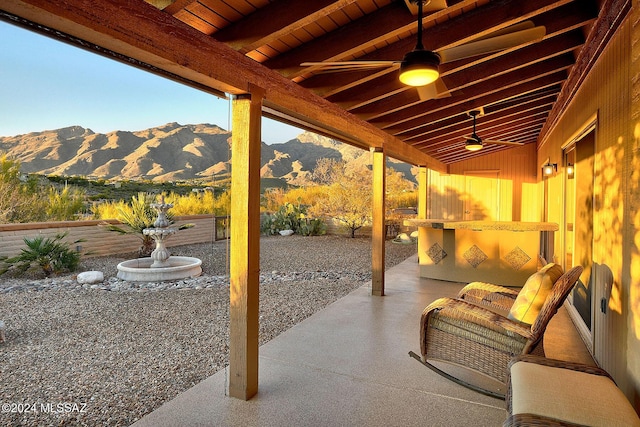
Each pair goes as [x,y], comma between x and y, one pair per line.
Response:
[140,270]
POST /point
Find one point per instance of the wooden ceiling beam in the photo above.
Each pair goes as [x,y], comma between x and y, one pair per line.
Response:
[385,24]
[504,123]
[516,133]
[453,32]
[176,5]
[524,99]
[411,118]
[367,32]
[383,88]
[543,82]
[567,17]
[396,108]
[276,19]
[455,149]
[463,155]
[140,31]
[451,124]
[355,39]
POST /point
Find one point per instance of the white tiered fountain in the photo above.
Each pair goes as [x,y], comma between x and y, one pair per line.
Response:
[161,265]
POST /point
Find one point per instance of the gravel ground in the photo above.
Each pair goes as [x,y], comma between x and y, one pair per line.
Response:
[76,356]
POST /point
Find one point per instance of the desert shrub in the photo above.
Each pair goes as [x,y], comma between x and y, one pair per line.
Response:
[51,254]
[222,204]
[200,203]
[403,199]
[191,204]
[65,204]
[108,210]
[276,197]
[136,216]
[19,200]
[187,204]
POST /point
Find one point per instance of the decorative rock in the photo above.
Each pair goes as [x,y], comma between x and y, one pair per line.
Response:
[90,277]
[286,232]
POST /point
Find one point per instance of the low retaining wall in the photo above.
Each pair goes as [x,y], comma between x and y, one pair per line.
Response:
[98,241]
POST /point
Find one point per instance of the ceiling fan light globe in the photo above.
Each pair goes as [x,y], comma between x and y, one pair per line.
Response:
[473,145]
[419,68]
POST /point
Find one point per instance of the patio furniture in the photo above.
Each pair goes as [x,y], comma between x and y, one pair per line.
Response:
[558,393]
[475,332]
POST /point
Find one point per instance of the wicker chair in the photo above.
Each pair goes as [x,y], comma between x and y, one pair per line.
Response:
[470,331]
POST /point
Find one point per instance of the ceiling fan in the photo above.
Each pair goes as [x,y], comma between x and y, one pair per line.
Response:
[419,68]
[474,142]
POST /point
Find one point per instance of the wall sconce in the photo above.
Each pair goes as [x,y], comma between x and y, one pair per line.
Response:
[570,170]
[549,169]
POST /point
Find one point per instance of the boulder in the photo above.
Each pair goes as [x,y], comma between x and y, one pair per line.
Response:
[90,277]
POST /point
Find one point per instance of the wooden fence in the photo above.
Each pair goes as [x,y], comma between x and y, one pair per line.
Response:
[97,240]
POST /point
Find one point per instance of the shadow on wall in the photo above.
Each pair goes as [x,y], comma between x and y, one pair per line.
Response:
[450,204]
[633,261]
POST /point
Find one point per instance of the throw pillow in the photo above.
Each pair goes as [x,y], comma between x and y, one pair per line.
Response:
[534,293]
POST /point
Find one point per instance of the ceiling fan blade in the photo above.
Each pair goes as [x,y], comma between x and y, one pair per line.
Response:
[349,65]
[434,90]
[451,147]
[491,141]
[431,6]
[492,44]
[524,25]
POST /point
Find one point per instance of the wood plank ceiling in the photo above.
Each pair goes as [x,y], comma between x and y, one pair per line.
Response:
[520,90]
[516,88]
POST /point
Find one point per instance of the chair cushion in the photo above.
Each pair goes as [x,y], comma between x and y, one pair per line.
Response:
[534,293]
[569,396]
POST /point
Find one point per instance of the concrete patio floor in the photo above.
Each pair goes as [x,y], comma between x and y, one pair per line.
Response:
[348,365]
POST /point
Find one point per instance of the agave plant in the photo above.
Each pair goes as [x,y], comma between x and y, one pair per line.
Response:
[51,254]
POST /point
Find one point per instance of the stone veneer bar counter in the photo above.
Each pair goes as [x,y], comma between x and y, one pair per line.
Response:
[499,252]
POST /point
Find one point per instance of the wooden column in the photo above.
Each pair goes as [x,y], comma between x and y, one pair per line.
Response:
[423,192]
[378,228]
[245,245]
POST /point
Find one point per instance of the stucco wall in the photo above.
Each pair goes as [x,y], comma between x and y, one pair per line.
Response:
[607,96]
[98,241]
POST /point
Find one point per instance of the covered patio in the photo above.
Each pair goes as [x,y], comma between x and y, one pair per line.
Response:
[560,114]
[349,365]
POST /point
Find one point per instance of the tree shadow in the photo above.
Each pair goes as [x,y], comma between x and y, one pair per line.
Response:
[450,205]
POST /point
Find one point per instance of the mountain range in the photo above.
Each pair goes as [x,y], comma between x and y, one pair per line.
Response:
[172,152]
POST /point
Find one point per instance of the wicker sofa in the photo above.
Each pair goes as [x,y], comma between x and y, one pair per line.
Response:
[547,392]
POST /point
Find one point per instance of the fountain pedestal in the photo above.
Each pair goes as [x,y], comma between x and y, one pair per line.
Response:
[160,254]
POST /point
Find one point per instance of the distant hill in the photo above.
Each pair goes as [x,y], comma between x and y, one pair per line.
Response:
[169,153]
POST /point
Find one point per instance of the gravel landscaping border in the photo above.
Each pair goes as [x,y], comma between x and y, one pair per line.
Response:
[110,353]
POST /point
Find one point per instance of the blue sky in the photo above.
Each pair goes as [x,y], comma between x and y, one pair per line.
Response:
[47,84]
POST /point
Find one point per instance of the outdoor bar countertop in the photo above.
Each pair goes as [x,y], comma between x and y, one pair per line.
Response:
[483,225]
[500,252]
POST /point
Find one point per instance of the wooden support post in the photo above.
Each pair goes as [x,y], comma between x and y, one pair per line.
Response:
[423,192]
[378,227]
[245,244]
